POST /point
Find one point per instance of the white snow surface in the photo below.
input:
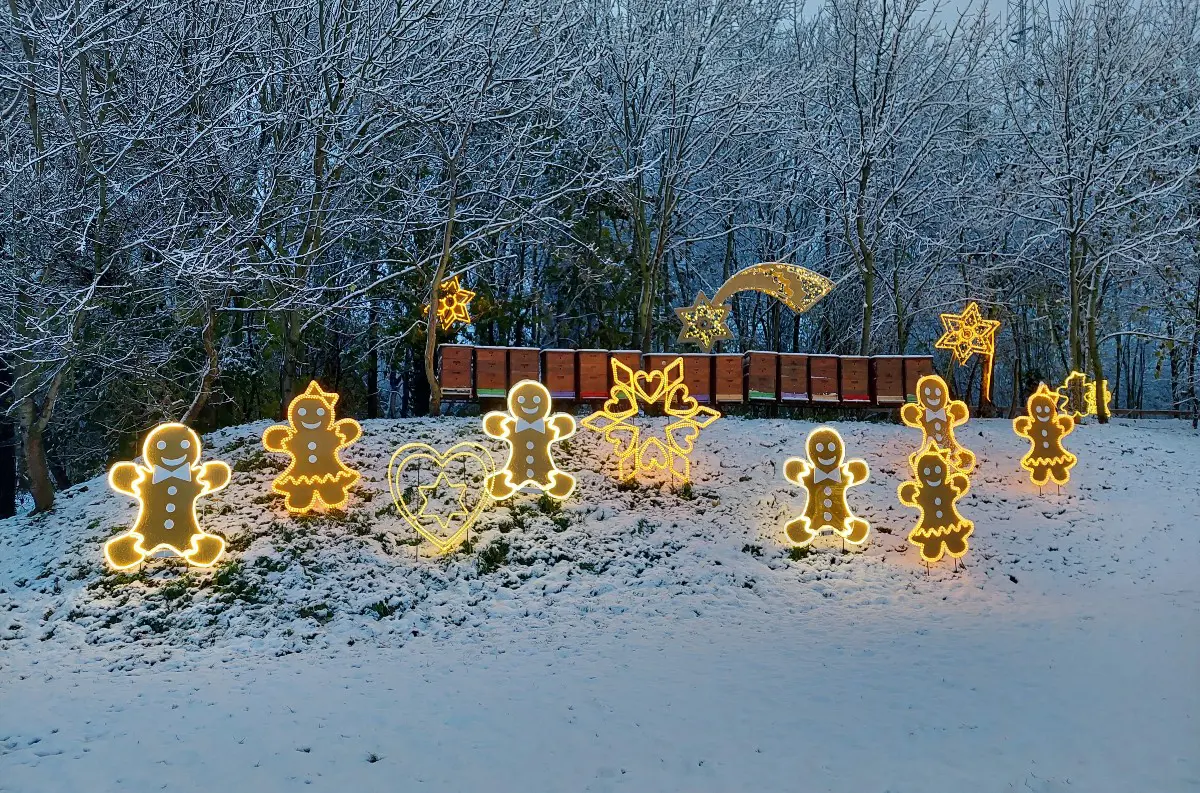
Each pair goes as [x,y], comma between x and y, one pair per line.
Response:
[638,640]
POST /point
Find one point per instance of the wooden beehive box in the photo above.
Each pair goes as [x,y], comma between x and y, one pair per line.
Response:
[855,379]
[631,358]
[915,367]
[698,376]
[658,360]
[762,376]
[455,371]
[523,364]
[558,373]
[491,372]
[730,382]
[887,374]
[823,378]
[793,377]
[593,374]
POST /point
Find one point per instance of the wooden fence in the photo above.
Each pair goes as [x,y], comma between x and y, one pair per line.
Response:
[466,372]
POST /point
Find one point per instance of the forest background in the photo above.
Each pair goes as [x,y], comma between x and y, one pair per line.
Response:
[205,203]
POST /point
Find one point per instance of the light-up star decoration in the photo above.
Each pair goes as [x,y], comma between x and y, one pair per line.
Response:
[453,305]
[967,334]
[1077,396]
[632,391]
[705,322]
[429,493]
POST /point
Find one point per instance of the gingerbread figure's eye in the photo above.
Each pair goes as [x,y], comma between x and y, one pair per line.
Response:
[926,472]
[537,400]
[820,447]
[183,444]
[937,469]
[521,400]
[926,390]
[302,411]
[320,411]
[161,444]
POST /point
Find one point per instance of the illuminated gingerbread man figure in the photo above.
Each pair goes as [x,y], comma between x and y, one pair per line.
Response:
[166,489]
[530,430]
[313,438]
[936,415]
[1045,429]
[940,529]
[825,477]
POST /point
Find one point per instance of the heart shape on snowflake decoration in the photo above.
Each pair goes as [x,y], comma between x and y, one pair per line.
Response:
[417,473]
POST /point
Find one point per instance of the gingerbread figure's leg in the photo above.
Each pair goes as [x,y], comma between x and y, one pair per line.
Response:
[858,529]
[966,459]
[299,498]
[333,494]
[206,549]
[125,551]
[931,547]
[1039,475]
[956,543]
[798,531]
[561,485]
[500,485]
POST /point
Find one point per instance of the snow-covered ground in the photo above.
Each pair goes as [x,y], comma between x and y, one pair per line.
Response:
[638,640]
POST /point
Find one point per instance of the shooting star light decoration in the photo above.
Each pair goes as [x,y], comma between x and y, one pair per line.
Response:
[705,322]
[969,333]
[453,304]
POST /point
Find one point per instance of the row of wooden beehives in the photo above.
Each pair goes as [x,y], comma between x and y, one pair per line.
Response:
[466,372]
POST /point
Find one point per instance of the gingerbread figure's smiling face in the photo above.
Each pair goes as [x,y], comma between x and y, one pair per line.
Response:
[171,445]
[311,413]
[825,449]
[931,470]
[529,401]
[933,392]
[1041,408]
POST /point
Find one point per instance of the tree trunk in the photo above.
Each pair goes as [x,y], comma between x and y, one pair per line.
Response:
[212,368]
[431,326]
[8,452]
[37,467]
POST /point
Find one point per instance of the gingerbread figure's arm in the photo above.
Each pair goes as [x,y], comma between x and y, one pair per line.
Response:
[122,476]
[856,472]
[275,437]
[494,424]
[563,424]
[215,475]
[908,494]
[1021,425]
[957,412]
[795,469]
[959,483]
[910,414]
[1066,425]
[348,430]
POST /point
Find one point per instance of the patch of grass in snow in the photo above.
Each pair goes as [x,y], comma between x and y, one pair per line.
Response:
[548,505]
[492,557]
[796,554]
[321,612]
[231,580]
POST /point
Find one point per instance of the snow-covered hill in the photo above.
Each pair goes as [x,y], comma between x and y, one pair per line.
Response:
[638,638]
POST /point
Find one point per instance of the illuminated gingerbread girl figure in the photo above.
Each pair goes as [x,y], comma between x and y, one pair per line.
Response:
[936,415]
[940,529]
[166,489]
[825,477]
[1045,429]
[530,430]
[313,438]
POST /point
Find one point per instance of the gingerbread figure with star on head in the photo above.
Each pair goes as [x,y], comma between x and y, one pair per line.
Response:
[166,487]
[934,490]
[1045,429]
[530,429]
[825,476]
[313,437]
[936,415]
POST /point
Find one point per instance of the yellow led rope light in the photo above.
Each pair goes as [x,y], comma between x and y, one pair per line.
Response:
[1077,396]
[530,428]
[630,392]
[826,476]
[967,334]
[166,487]
[1044,427]
[452,529]
[313,436]
[453,304]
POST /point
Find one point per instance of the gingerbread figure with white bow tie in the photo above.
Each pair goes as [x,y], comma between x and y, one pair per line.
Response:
[936,415]
[825,476]
[530,429]
[166,488]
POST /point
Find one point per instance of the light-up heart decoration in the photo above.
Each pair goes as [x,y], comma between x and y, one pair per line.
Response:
[440,494]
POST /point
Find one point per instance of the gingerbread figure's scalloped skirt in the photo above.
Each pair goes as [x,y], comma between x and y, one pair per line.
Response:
[936,542]
[304,493]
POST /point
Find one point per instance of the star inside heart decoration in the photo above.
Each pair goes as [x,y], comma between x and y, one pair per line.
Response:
[631,393]
[440,494]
